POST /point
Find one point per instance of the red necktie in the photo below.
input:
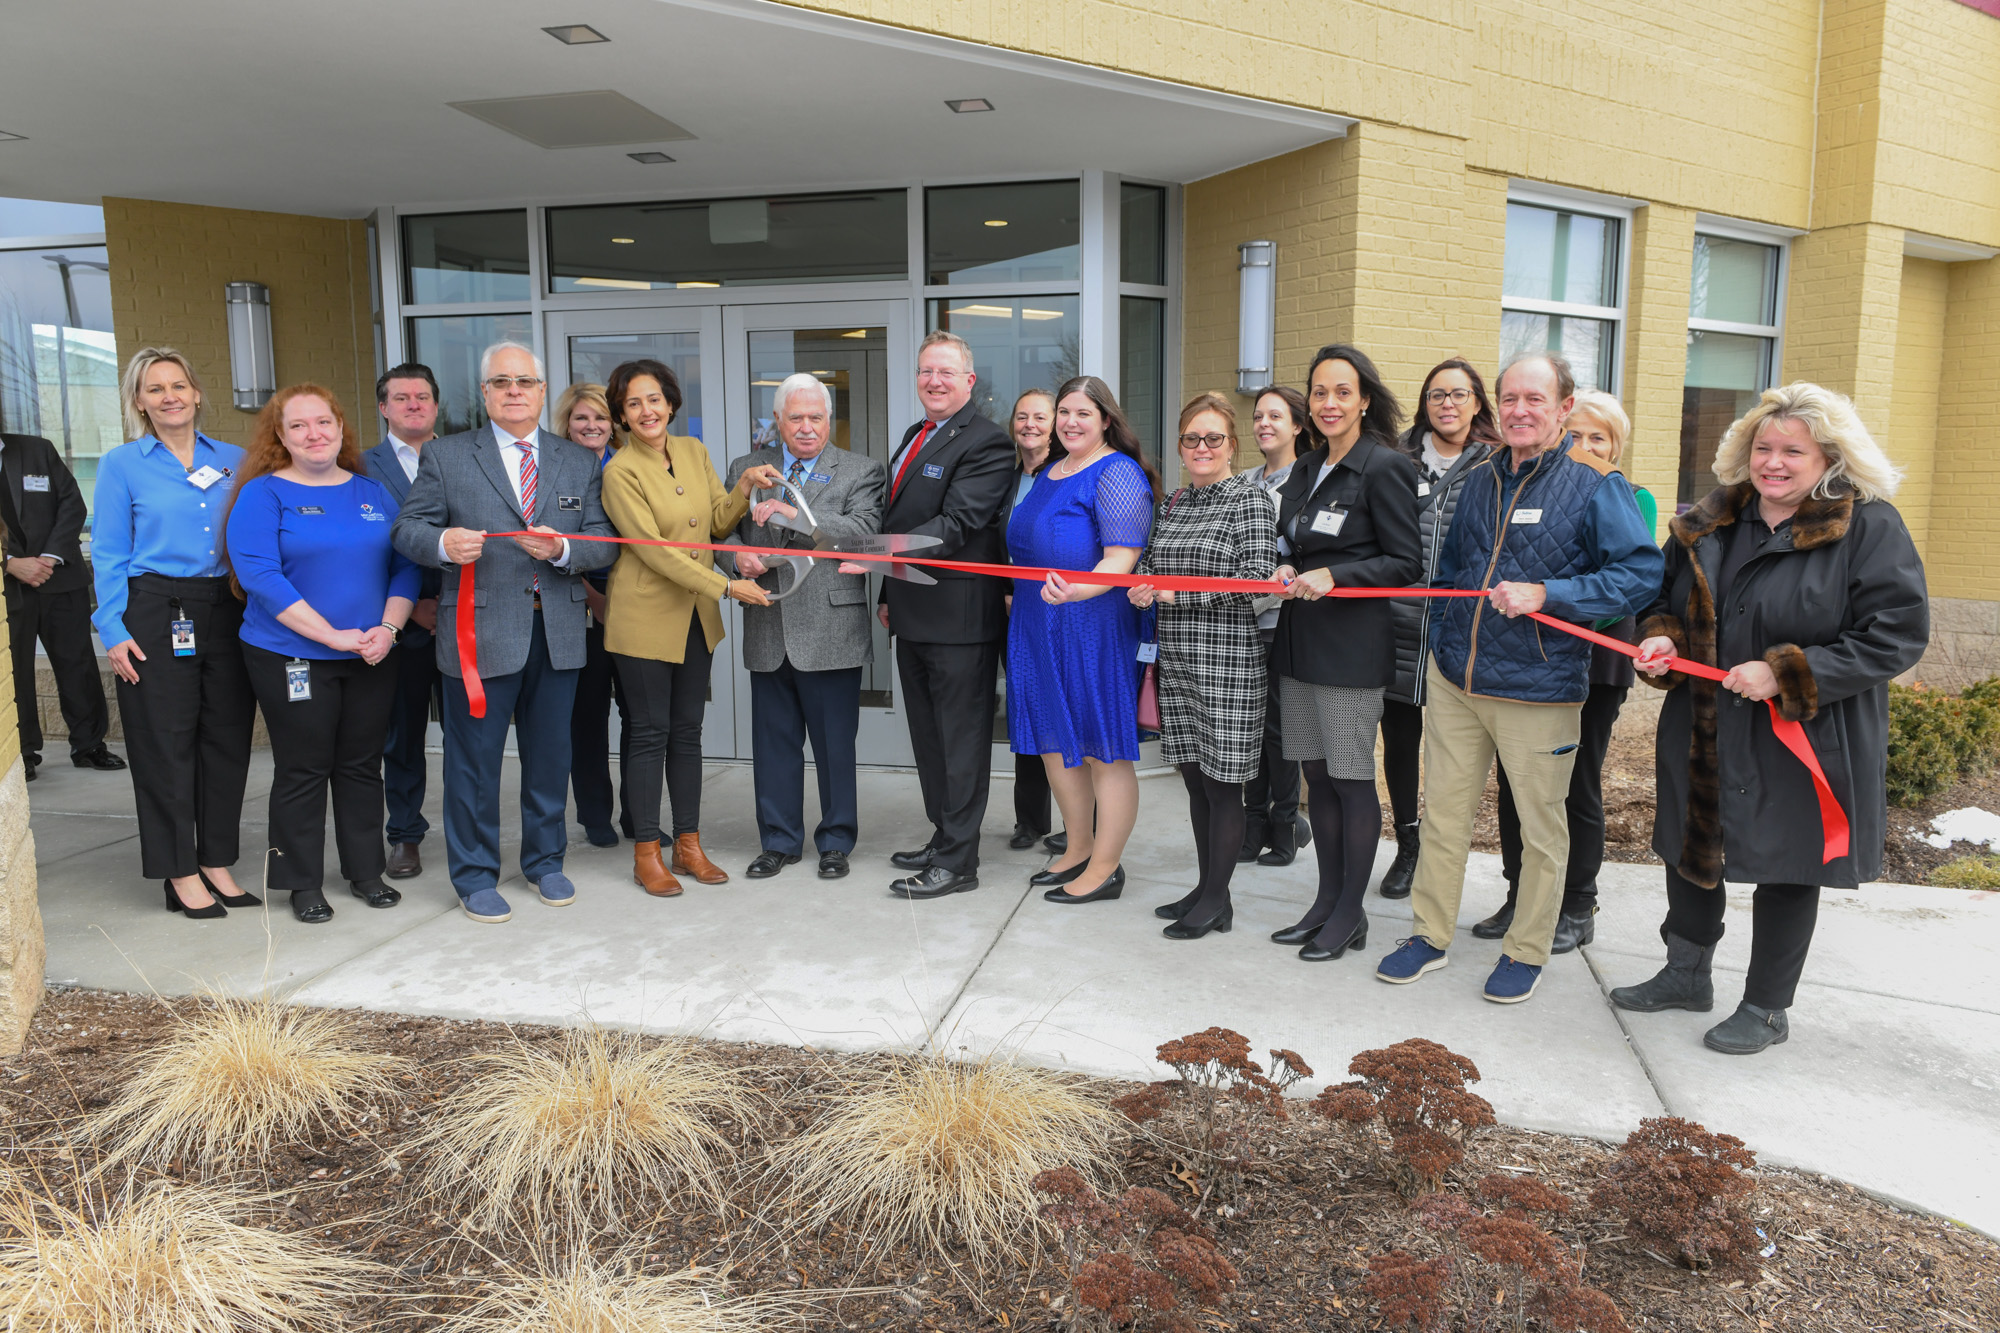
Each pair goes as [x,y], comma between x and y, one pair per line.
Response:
[528,479]
[923,433]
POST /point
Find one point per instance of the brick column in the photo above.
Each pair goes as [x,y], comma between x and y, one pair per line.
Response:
[1656,320]
[1842,312]
[22,952]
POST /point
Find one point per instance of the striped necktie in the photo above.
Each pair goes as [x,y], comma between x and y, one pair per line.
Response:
[528,477]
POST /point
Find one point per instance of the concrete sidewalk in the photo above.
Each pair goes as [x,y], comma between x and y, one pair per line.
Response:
[1891,1079]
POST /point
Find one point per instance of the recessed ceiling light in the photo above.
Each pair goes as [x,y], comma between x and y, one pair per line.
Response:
[576,34]
[697,284]
[996,222]
[650,159]
[858,333]
[621,240]
[964,105]
[4,136]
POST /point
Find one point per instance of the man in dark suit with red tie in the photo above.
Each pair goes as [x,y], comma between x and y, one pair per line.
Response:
[951,478]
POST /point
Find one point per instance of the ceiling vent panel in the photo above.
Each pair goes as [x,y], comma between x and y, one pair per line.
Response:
[601,119]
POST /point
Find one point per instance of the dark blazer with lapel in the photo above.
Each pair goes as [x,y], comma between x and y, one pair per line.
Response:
[51,521]
[385,467]
[959,489]
[1349,642]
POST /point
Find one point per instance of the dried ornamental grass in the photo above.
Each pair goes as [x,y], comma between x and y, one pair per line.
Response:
[584,1295]
[171,1260]
[933,1150]
[236,1079]
[562,1134]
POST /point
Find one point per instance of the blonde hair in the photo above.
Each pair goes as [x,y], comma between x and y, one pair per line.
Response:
[1607,412]
[585,393]
[1852,456]
[137,424]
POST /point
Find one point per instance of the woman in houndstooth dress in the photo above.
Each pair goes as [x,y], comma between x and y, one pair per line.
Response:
[1211,665]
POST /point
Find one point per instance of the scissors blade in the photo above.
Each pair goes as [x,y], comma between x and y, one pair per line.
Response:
[909,574]
[889,543]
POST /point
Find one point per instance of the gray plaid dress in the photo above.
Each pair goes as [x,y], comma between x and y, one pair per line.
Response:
[1211,666]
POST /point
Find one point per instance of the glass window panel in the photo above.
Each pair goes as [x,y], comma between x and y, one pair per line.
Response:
[1586,343]
[1726,372]
[465,257]
[451,346]
[593,358]
[1557,256]
[58,359]
[1018,343]
[1142,349]
[859,236]
[1004,233]
[42,217]
[1142,246]
[1735,281]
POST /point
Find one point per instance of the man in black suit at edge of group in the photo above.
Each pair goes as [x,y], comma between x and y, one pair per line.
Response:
[951,478]
[48,597]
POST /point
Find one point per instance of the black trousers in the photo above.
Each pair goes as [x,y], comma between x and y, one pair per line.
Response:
[1274,791]
[590,737]
[405,771]
[1782,918]
[1033,801]
[331,740]
[1584,805]
[948,696]
[666,702]
[61,620]
[1402,743]
[187,725]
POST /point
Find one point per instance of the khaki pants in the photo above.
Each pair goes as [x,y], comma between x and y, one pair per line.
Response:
[1537,745]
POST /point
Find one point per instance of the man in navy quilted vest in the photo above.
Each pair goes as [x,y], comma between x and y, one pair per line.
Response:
[1541,526]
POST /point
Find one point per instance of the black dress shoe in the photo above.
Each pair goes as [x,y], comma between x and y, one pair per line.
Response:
[1314,953]
[100,758]
[933,882]
[1042,879]
[1574,928]
[1185,929]
[1496,926]
[768,864]
[1113,885]
[28,767]
[602,837]
[1178,908]
[1300,933]
[208,913]
[919,859]
[229,899]
[404,861]
[374,892]
[833,865]
[1057,842]
[1024,837]
[310,906]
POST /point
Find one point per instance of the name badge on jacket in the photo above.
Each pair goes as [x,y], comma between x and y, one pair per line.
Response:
[569,503]
[1423,489]
[1329,522]
[32,483]
[935,471]
[1527,516]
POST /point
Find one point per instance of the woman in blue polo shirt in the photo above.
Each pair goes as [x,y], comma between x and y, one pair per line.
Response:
[166,614]
[326,599]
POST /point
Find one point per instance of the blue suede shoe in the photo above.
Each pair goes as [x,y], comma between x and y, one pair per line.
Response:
[556,890]
[1512,982]
[486,905]
[1413,957]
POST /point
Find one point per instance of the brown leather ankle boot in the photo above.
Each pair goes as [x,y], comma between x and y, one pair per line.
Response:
[689,859]
[650,873]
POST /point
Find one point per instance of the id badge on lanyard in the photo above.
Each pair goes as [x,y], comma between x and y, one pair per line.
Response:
[181,630]
[298,681]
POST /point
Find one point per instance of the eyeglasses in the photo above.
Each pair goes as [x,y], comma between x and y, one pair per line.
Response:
[1456,397]
[946,376]
[1203,441]
[502,383]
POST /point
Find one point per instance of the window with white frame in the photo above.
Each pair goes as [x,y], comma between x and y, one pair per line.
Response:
[1733,332]
[1563,288]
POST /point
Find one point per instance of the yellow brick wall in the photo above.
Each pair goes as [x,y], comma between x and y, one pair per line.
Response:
[1656,315]
[1841,312]
[1966,490]
[10,728]
[1910,435]
[1938,163]
[169,263]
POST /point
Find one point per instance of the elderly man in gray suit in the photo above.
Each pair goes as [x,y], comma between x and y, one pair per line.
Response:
[805,652]
[508,476]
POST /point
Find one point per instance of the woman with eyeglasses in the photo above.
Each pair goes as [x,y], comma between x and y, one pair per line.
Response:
[1454,430]
[1211,663]
[1347,517]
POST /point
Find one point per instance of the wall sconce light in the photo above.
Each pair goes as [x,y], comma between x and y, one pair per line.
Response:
[1256,315]
[253,368]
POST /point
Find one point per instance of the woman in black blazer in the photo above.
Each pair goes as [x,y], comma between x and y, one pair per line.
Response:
[1347,517]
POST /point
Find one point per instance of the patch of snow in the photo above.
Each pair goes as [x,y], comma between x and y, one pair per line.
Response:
[1973,825]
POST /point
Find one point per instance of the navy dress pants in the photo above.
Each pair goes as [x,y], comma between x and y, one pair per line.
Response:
[786,707]
[537,699]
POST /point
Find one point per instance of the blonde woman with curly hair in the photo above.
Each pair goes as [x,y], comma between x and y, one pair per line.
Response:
[1799,576]
[583,415]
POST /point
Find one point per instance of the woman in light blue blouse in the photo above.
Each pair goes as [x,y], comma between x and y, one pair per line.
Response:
[326,598]
[169,619]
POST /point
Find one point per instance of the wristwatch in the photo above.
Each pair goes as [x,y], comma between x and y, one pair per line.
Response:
[394,633]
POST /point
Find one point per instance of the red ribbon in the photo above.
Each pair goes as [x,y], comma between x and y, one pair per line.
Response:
[1833,819]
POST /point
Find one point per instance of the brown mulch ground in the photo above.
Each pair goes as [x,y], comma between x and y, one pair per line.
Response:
[1311,1214]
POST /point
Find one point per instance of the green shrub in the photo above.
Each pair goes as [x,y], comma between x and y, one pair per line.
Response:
[1980,871]
[1935,739]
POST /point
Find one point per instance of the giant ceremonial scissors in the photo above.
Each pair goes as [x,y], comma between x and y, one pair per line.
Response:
[803,522]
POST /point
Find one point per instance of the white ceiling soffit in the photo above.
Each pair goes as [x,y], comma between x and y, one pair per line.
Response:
[1916,245]
[600,119]
[338,109]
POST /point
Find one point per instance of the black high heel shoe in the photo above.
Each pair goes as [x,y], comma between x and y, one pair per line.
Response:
[1179,907]
[229,900]
[310,906]
[1312,953]
[208,913]
[1184,929]
[1043,879]
[1301,933]
[1113,885]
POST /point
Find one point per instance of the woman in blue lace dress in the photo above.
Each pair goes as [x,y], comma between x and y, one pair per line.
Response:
[1072,652]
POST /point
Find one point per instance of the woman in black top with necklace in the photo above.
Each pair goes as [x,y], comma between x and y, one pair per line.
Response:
[1347,517]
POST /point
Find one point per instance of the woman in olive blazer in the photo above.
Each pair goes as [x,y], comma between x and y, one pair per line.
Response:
[663,615]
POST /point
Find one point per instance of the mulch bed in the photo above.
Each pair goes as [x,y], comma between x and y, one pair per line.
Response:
[1311,1215]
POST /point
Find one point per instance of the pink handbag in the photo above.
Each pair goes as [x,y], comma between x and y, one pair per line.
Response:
[1149,700]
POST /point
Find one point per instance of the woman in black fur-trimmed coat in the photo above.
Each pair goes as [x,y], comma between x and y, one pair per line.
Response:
[1799,576]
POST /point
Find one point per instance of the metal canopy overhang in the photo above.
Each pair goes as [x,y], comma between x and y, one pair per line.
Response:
[337,109]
